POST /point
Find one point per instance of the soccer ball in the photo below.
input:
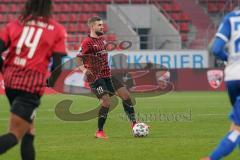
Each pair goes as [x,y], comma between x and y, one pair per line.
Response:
[140,130]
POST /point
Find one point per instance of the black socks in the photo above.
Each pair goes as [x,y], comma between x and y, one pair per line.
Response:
[27,147]
[129,109]
[7,141]
[102,116]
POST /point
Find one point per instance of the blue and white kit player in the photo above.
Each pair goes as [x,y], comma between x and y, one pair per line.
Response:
[228,37]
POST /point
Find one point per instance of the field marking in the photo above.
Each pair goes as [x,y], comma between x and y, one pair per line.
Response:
[55,118]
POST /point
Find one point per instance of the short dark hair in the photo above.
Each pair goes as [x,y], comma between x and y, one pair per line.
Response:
[93,20]
[37,8]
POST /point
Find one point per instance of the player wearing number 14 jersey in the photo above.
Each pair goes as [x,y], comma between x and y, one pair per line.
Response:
[31,42]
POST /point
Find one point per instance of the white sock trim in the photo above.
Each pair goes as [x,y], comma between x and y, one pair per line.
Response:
[234,136]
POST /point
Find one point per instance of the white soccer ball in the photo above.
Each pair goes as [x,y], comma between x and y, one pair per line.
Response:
[140,130]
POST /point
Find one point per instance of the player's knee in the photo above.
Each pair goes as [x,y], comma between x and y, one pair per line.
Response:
[106,101]
[123,93]
[125,96]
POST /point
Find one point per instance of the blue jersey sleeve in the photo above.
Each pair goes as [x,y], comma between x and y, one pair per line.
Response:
[218,49]
[224,30]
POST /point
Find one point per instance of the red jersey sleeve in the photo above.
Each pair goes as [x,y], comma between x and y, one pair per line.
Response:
[4,36]
[84,48]
[60,43]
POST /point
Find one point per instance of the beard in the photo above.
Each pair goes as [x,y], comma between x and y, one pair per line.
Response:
[99,33]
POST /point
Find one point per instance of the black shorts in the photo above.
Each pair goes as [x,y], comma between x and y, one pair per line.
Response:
[104,86]
[23,104]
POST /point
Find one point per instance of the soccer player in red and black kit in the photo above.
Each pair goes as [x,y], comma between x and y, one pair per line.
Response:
[93,55]
[32,41]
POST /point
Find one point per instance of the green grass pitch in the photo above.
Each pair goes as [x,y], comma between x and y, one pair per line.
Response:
[184,126]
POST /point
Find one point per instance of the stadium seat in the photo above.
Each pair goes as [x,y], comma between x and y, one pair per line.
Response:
[72,28]
[111,37]
[167,8]
[184,37]
[86,8]
[13,8]
[121,1]
[99,8]
[75,7]
[3,8]
[105,27]
[83,17]
[10,17]
[184,27]
[176,8]
[176,17]
[72,38]
[63,18]
[2,18]
[212,8]
[57,8]
[138,1]
[72,17]
[83,28]
[65,8]
[184,17]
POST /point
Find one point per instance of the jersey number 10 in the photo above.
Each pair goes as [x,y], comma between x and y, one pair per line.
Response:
[29,39]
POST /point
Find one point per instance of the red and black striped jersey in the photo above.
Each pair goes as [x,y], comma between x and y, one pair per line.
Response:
[95,57]
[30,47]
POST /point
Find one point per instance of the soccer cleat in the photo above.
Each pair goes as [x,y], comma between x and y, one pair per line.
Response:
[206,158]
[133,124]
[101,134]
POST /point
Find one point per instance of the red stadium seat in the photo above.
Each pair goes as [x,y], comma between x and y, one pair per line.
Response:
[13,8]
[105,27]
[75,7]
[184,27]
[73,17]
[72,28]
[138,1]
[176,8]
[121,1]
[167,7]
[212,8]
[111,37]
[84,17]
[184,37]
[176,17]
[184,17]
[65,8]
[10,17]
[70,39]
[221,6]
[99,7]
[86,8]
[57,8]
[63,17]
[83,28]
[2,18]
[3,8]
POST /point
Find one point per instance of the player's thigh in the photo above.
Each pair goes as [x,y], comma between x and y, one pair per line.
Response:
[123,93]
[120,89]
[25,105]
[110,86]
[105,100]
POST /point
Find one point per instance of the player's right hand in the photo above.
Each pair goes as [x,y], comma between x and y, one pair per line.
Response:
[89,76]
